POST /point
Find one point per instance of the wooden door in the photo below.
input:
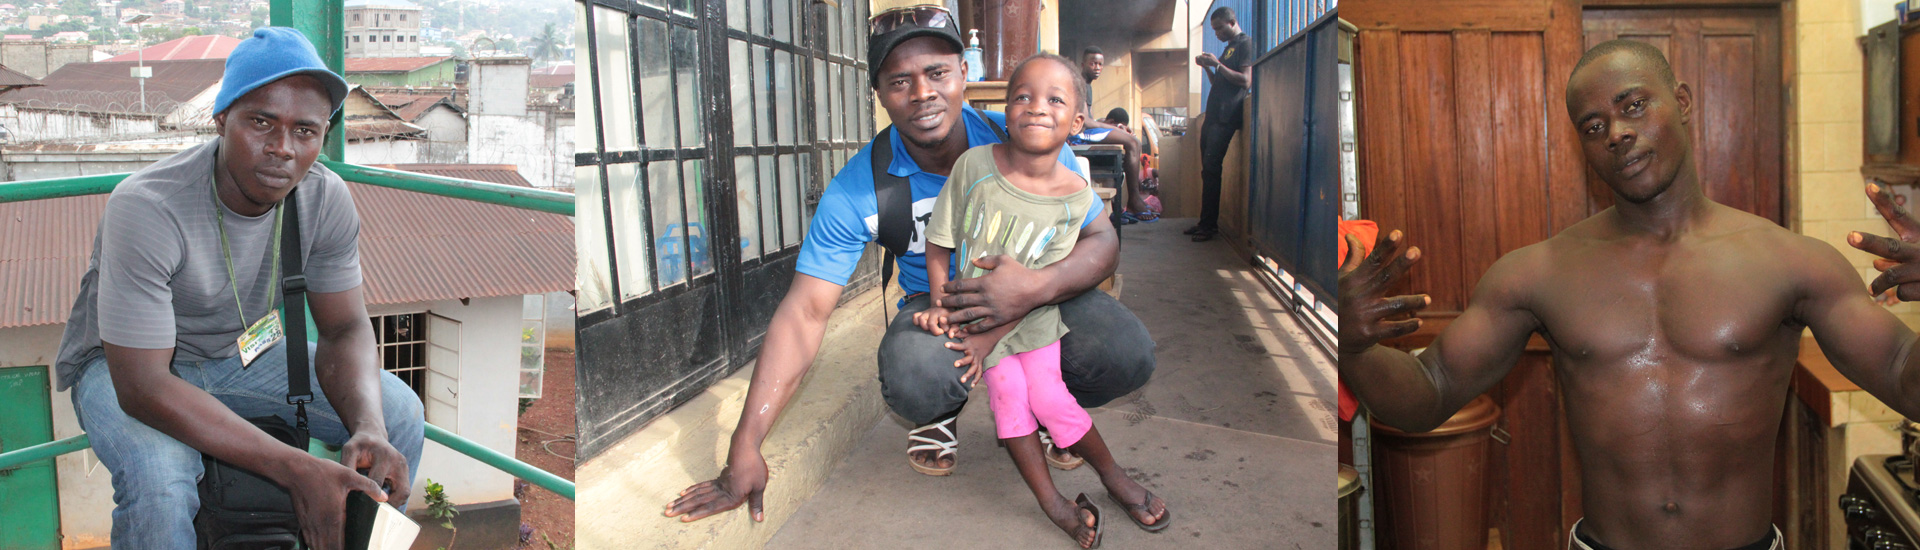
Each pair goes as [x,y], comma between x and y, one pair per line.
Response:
[1731,60]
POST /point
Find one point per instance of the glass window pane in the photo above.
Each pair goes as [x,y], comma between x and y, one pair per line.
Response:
[669,247]
[763,95]
[782,21]
[614,78]
[694,178]
[741,84]
[686,63]
[790,199]
[844,91]
[586,134]
[770,204]
[811,193]
[594,274]
[737,14]
[783,79]
[656,88]
[821,99]
[747,196]
[532,306]
[629,236]
[850,115]
[683,6]
[660,3]
[532,333]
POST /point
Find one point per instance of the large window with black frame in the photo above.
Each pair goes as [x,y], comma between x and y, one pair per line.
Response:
[710,129]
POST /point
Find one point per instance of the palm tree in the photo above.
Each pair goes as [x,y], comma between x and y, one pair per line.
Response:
[546,46]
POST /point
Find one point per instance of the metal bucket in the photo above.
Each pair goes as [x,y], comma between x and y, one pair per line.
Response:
[1349,494]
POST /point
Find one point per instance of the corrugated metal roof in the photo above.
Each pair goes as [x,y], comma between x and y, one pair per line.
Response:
[409,106]
[377,129]
[110,87]
[414,247]
[210,46]
[10,77]
[391,64]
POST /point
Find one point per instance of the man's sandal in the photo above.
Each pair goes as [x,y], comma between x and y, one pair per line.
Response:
[1144,508]
[1052,453]
[924,443]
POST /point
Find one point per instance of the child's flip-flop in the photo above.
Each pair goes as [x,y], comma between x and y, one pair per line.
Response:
[1145,508]
[1083,503]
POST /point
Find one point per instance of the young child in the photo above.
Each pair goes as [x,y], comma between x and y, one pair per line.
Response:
[1016,199]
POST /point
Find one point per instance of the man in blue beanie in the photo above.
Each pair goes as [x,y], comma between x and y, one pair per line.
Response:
[186,260]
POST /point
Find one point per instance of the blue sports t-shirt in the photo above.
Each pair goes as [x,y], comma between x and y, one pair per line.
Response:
[847,217]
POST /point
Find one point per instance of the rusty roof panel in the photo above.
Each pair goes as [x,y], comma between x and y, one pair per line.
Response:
[110,87]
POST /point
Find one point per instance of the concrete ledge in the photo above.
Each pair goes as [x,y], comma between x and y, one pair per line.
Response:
[625,489]
[484,525]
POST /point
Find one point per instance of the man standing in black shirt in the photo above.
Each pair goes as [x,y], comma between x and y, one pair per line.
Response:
[1230,74]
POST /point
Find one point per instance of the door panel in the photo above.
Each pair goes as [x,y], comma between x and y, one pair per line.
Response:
[1730,58]
[30,520]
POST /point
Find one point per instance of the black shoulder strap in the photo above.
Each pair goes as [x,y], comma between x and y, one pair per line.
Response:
[894,198]
[293,286]
[998,129]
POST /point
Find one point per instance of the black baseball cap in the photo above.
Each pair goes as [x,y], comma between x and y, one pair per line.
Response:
[896,26]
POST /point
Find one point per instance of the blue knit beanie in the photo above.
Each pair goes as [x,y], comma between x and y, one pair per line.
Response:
[271,54]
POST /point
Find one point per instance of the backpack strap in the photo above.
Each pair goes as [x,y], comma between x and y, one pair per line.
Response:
[894,197]
[293,288]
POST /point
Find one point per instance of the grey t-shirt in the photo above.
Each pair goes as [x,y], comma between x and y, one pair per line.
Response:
[157,278]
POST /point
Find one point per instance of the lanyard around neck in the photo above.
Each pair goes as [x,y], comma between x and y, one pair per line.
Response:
[220,221]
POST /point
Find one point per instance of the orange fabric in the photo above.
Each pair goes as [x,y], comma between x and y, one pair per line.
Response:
[1367,232]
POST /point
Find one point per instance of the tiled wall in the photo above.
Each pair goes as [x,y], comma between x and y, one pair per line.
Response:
[1825,114]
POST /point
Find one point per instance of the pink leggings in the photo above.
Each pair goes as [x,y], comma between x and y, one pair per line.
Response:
[1026,387]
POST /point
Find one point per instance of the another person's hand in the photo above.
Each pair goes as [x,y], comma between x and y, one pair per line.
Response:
[932,320]
[1206,60]
[1366,312]
[319,488]
[973,350]
[1006,293]
[1899,258]
[383,464]
[743,480]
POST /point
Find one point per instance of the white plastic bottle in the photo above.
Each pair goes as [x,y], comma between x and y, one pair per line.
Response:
[976,63]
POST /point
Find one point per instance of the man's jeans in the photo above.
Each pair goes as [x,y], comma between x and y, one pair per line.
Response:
[1214,138]
[156,478]
[1106,353]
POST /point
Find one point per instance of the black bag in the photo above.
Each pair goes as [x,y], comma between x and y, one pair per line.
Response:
[240,510]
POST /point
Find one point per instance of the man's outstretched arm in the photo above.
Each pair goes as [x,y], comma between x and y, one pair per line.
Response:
[1417,394]
[1864,341]
[793,338]
[1009,290]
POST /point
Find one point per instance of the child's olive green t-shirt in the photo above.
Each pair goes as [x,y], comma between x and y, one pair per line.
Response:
[979,213]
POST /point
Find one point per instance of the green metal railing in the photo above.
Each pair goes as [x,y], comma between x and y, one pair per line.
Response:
[553,202]
[492,193]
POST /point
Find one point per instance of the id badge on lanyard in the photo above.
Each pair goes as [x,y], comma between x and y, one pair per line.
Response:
[264,333]
[260,337]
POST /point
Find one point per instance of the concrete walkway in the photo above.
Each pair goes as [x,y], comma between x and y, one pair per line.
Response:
[1235,431]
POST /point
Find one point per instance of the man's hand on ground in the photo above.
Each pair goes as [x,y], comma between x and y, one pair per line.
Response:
[933,320]
[1365,309]
[319,488]
[1006,293]
[743,480]
[383,464]
[1899,261]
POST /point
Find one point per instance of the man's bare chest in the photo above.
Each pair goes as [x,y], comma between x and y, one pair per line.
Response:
[1694,305]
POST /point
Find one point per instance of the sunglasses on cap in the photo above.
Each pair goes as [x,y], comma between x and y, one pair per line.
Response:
[923,16]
